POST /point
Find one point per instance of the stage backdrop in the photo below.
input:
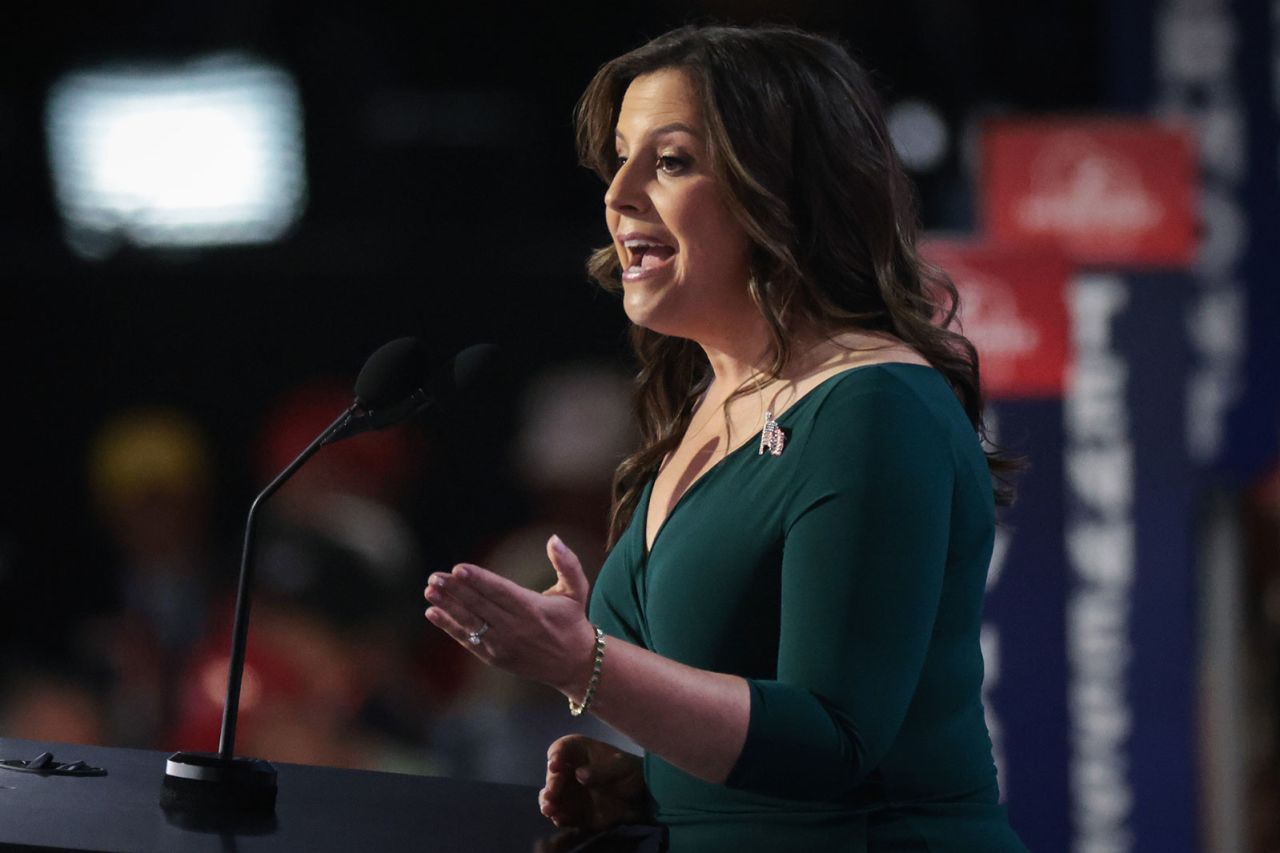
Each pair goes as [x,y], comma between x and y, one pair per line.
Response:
[1089,627]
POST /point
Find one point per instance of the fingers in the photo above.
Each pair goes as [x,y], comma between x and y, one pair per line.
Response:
[466,613]
[453,593]
[546,805]
[569,747]
[567,802]
[568,569]
[557,816]
[557,802]
[482,591]
[593,764]
[601,772]
[553,788]
[492,596]
[450,624]
[505,594]
[623,777]
[562,761]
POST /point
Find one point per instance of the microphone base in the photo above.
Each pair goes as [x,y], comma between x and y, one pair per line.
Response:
[203,784]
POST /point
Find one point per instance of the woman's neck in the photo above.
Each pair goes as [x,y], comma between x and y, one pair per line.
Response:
[738,365]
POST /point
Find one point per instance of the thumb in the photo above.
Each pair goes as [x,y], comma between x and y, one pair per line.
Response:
[572,581]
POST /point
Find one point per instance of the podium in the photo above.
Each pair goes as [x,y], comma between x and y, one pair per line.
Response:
[318,809]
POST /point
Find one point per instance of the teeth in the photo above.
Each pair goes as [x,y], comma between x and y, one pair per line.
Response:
[638,248]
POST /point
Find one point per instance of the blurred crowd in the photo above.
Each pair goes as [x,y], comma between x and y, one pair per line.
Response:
[341,669]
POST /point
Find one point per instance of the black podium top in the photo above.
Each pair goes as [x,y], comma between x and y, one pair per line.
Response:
[317,809]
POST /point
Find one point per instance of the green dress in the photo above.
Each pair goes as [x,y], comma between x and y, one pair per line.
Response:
[844,580]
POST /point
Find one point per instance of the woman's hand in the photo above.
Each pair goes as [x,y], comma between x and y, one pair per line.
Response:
[541,636]
[592,785]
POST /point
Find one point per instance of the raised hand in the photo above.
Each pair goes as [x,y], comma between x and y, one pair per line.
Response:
[592,785]
[541,636]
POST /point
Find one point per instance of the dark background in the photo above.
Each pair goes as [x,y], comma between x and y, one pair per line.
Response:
[444,202]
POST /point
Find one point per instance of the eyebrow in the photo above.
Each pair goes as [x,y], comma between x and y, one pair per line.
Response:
[666,128]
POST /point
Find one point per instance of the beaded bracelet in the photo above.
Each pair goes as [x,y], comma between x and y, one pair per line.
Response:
[575,708]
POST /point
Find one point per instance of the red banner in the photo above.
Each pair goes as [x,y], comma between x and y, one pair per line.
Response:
[1013,308]
[1102,191]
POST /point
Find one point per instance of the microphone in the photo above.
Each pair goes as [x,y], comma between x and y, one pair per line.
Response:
[385,389]
[389,390]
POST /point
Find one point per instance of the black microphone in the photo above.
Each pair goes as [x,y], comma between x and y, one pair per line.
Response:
[390,389]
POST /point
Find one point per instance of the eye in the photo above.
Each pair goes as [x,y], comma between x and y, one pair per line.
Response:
[619,160]
[672,164]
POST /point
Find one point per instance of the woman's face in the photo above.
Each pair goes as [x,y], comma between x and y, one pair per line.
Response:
[683,254]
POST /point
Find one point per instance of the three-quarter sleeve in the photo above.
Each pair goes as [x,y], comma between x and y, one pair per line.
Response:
[864,554]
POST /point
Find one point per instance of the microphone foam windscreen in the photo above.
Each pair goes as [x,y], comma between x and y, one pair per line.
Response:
[392,373]
[470,368]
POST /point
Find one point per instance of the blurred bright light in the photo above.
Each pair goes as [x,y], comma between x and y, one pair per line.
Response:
[205,153]
[919,134]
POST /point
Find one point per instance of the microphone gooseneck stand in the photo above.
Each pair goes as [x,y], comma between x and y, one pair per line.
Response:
[240,631]
[204,786]
[221,781]
[200,787]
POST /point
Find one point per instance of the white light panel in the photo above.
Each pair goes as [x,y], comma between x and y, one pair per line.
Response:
[205,153]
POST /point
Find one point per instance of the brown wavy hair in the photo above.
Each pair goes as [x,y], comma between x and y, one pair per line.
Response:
[798,144]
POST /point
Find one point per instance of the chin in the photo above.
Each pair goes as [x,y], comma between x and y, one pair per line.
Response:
[655,323]
[644,310]
[664,307]
[639,317]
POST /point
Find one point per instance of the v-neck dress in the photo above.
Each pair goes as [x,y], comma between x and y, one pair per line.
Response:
[844,580]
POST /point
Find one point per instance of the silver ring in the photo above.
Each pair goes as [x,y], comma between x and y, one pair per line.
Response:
[474,637]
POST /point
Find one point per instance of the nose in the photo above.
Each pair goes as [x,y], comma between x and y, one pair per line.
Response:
[626,192]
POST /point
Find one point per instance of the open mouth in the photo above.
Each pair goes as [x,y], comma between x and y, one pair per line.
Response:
[645,256]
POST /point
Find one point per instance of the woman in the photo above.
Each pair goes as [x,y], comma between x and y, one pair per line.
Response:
[788,618]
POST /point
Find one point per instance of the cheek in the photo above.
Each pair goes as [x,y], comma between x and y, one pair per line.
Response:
[714,236]
[719,249]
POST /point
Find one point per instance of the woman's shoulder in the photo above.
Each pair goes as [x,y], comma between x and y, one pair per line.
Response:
[884,408]
[883,389]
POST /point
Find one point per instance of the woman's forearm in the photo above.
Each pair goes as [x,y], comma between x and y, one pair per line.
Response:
[694,719]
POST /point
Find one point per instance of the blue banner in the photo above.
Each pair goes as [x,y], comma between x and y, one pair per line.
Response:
[1210,65]
[1024,640]
[1090,623]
